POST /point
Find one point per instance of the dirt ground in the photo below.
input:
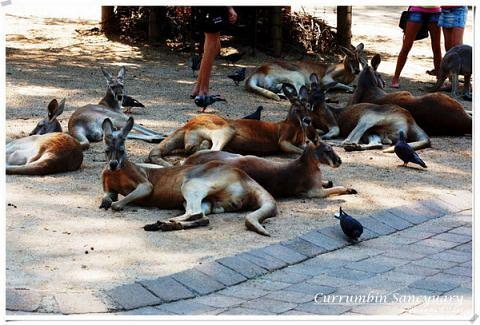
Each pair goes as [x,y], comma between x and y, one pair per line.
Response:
[53,221]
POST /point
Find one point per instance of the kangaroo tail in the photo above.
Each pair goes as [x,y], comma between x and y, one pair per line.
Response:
[267,209]
[252,85]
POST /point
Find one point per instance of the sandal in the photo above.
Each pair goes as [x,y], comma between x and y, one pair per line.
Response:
[395,85]
[432,72]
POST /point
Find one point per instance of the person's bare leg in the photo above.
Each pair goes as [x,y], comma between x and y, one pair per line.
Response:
[436,48]
[447,37]
[409,36]
[210,51]
[457,36]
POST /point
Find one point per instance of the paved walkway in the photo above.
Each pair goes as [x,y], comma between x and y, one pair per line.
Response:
[414,260]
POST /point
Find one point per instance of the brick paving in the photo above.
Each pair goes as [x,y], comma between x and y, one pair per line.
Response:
[418,258]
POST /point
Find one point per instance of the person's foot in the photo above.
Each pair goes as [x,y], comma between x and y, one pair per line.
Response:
[446,87]
[395,84]
[432,72]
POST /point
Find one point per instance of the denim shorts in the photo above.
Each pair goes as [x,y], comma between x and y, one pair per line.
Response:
[423,17]
[453,17]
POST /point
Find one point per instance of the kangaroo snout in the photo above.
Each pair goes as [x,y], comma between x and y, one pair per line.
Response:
[113,164]
[306,120]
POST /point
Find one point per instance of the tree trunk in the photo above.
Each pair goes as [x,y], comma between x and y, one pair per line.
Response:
[154,26]
[108,19]
[344,25]
[276,31]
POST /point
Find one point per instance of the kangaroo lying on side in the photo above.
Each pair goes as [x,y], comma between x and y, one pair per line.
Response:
[241,135]
[267,79]
[50,124]
[208,188]
[457,61]
[85,124]
[437,113]
[300,177]
[365,126]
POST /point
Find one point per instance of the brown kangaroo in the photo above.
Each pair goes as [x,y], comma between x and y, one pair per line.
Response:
[208,188]
[436,113]
[300,177]
[363,123]
[43,154]
[267,79]
[85,124]
[242,135]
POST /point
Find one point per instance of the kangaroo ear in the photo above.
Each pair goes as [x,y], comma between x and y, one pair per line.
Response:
[314,78]
[359,47]
[121,74]
[289,90]
[376,61]
[327,87]
[59,110]
[128,127]
[52,108]
[346,50]
[107,127]
[303,93]
[107,75]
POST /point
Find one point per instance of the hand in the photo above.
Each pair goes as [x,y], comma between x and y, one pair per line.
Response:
[232,15]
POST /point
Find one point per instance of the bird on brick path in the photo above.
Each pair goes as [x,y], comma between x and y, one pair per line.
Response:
[233,58]
[238,76]
[255,115]
[194,63]
[406,153]
[351,227]
[207,100]
[130,102]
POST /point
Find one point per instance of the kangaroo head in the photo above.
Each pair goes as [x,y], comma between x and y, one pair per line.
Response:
[50,124]
[320,112]
[369,77]
[326,155]
[354,59]
[114,142]
[115,85]
[299,109]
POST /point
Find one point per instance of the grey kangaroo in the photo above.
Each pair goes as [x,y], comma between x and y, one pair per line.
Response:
[457,61]
[50,124]
[85,124]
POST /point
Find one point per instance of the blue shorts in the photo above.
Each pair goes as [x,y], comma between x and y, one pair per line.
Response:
[423,17]
[453,17]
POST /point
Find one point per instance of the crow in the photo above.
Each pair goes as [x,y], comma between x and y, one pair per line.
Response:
[233,58]
[194,63]
[351,227]
[129,102]
[207,100]
[255,115]
[238,76]
[406,153]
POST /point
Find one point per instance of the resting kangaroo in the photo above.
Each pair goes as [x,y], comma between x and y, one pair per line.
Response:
[368,123]
[437,113]
[457,61]
[267,79]
[242,135]
[209,188]
[300,177]
[50,124]
[43,154]
[85,124]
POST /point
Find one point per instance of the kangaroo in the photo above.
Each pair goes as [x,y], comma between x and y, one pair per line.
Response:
[437,113]
[267,79]
[85,124]
[242,135]
[208,188]
[50,124]
[372,124]
[43,154]
[300,177]
[457,61]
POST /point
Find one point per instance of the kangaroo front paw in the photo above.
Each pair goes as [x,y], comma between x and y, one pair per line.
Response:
[348,146]
[106,203]
[351,191]
[117,206]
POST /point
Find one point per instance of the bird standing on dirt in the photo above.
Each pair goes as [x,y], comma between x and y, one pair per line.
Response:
[406,153]
[238,75]
[207,100]
[255,115]
[233,58]
[194,63]
[351,227]
[130,102]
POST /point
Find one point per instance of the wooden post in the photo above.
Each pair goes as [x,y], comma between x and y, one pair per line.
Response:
[107,21]
[154,25]
[344,25]
[276,31]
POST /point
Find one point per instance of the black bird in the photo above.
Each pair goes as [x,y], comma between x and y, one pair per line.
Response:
[194,63]
[238,75]
[406,153]
[351,227]
[233,58]
[129,102]
[207,100]
[255,115]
